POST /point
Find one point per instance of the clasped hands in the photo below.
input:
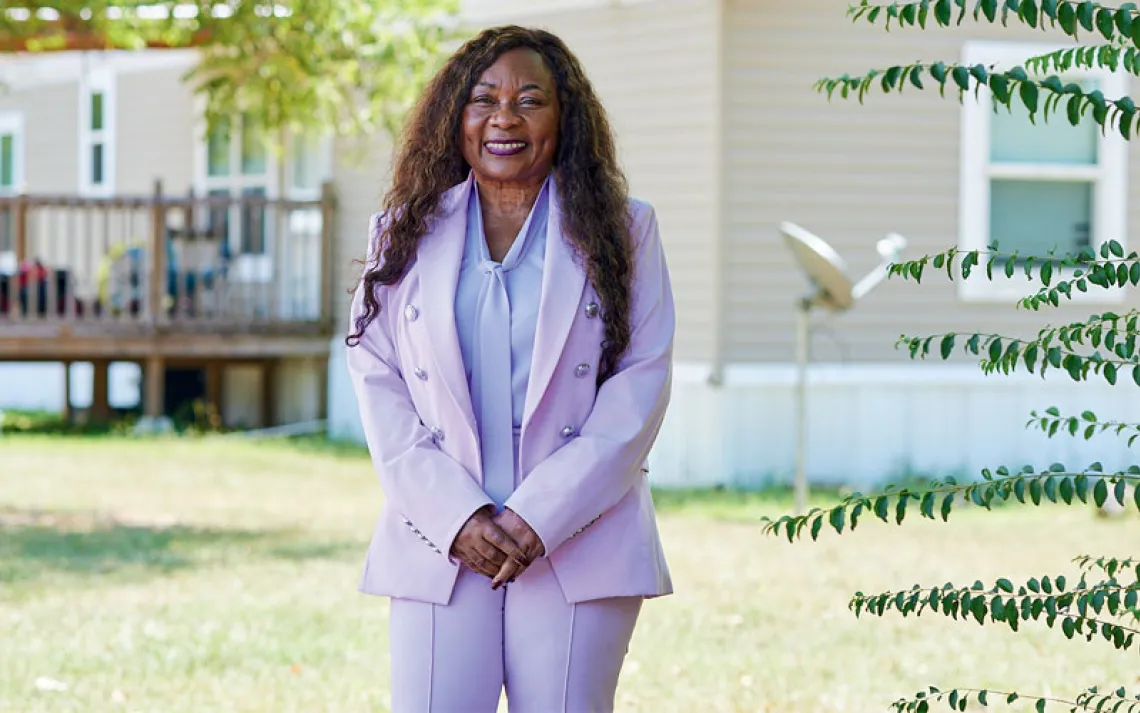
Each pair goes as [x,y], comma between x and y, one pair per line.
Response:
[500,547]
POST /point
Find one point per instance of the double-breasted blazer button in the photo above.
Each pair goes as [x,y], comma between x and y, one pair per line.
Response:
[581,370]
[567,431]
[420,374]
[592,309]
[437,433]
[411,313]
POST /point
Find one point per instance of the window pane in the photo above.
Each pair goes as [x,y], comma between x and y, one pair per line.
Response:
[218,150]
[253,150]
[7,161]
[97,111]
[253,224]
[219,226]
[1032,217]
[304,162]
[97,164]
[1014,139]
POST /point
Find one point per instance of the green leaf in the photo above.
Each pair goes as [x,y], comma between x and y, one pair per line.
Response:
[1086,13]
[1067,17]
[1046,273]
[1040,705]
[1029,97]
[961,77]
[816,526]
[1066,490]
[1119,490]
[837,517]
[948,502]
[1100,492]
[942,12]
[881,508]
[1106,23]
[947,346]
[1005,585]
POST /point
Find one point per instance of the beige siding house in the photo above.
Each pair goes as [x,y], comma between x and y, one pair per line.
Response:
[720,129]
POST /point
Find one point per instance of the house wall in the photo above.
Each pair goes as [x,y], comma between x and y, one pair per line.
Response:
[155,132]
[51,140]
[851,174]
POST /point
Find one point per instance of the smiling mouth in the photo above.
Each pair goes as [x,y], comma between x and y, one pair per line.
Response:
[504,148]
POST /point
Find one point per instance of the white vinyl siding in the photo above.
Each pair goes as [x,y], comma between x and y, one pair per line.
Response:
[97,135]
[1036,188]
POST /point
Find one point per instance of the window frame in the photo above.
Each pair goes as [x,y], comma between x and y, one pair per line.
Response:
[257,265]
[1109,175]
[97,81]
[12,122]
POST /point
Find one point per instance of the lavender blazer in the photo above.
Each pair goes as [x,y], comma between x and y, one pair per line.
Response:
[582,453]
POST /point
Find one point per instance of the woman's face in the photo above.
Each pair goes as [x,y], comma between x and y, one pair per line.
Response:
[510,122]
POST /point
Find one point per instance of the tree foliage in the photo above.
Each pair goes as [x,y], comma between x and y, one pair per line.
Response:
[352,66]
[1103,603]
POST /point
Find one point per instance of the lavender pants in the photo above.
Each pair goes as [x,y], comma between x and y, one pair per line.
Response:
[552,657]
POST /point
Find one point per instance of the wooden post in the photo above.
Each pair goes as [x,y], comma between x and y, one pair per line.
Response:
[269,369]
[215,386]
[68,415]
[156,297]
[328,271]
[323,389]
[155,377]
[100,392]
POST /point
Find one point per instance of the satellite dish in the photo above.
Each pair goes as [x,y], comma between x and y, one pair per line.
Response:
[833,290]
[824,268]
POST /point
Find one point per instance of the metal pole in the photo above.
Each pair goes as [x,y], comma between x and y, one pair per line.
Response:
[803,355]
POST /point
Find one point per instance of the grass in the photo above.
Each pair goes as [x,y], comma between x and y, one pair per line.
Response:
[213,576]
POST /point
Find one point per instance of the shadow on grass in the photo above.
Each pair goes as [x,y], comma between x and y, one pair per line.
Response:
[37,544]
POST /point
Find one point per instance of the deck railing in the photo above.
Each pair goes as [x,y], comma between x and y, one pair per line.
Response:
[163,263]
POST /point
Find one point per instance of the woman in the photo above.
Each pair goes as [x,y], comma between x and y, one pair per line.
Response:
[511,351]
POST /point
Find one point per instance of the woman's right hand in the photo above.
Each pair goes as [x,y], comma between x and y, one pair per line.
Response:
[484,546]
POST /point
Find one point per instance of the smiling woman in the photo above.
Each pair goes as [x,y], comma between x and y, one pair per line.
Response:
[525,293]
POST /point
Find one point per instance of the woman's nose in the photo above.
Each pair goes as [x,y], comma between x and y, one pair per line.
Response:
[505,115]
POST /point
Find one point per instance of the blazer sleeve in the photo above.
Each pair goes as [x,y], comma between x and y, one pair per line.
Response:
[596,468]
[431,490]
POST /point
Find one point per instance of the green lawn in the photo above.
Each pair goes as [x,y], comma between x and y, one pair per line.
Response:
[213,576]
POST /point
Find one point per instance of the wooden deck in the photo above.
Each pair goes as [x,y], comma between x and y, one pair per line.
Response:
[160,279]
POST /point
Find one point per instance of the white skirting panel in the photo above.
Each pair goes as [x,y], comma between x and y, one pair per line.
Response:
[869,424]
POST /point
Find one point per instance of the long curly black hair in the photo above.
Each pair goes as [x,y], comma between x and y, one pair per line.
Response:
[592,188]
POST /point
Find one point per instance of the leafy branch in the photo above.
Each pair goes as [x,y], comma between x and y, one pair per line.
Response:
[1112,269]
[1070,16]
[1055,485]
[959,699]
[1052,422]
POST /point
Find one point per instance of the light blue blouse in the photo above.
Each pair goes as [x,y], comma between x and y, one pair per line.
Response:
[522,269]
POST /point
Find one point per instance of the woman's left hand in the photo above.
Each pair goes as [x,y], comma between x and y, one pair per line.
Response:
[527,540]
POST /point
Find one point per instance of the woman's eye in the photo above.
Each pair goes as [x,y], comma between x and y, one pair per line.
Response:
[530,101]
[482,99]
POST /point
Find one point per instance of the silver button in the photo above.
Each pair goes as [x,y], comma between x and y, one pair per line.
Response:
[567,431]
[420,374]
[581,370]
[411,313]
[592,310]
[437,433]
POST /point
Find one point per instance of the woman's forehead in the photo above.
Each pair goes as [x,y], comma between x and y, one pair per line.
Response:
[516,67]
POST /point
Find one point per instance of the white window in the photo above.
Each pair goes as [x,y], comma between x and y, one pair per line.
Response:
[1037,187]
[11,172]
[97,133]
[237,162]
[310,158]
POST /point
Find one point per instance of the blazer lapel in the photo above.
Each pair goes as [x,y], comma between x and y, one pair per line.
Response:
[562,283]
[440,254]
